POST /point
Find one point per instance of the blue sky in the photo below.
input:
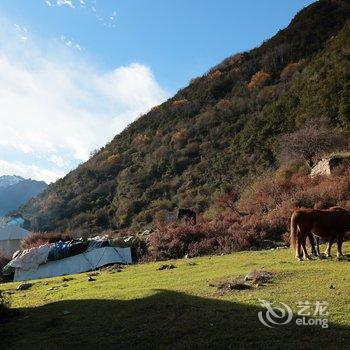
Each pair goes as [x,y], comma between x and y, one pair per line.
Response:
[73,73]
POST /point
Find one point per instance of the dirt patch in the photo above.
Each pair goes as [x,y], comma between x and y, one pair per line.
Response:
[230,286]
[166,267]
[253,279]
[115,268]
[258,276]
[66,279]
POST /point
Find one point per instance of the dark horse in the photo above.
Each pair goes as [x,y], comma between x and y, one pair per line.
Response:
[329,224]
[188,214]
[316,251]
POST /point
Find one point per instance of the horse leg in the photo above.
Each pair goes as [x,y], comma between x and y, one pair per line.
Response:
[312,243]
[318,245]
[303,244]
[329,246]
[298,251]
[340,243]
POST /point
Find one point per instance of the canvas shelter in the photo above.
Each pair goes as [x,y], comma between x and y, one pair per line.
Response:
[10,239]
[87,261]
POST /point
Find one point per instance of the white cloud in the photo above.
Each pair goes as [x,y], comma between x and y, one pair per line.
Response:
[87,6]
[21,32]
[65,2]
[28,171]
[132,86]
[71,43]
[58,160]
[56,108]
[68,3]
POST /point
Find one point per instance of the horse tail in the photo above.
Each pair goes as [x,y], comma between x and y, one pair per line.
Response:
[293,232]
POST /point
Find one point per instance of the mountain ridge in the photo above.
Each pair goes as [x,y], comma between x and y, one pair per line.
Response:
[9,180]
[213,136]
[15,191]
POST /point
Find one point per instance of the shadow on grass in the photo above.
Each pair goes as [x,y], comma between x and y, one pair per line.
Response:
[165,320]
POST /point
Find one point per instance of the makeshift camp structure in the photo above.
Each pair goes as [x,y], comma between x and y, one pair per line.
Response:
[10,239]
[86,261]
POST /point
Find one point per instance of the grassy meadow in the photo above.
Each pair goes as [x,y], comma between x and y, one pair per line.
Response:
[142,307]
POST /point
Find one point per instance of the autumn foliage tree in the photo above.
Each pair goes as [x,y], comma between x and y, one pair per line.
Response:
[310,142]
[258,80]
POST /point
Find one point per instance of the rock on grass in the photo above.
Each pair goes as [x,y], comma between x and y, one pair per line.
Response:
[24,286]
[258,276]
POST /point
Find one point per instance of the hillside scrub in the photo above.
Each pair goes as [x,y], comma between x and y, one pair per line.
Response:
[260,215]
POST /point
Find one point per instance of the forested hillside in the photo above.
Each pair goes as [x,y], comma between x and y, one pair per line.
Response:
[214,136]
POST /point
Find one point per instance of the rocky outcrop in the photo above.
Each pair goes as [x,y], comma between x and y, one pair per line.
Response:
[326,166]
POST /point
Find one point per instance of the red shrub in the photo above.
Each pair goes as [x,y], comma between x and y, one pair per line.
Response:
[214,237]
[37,238]
[272,201]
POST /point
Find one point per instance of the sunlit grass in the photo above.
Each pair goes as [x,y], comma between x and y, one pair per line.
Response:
[292,281]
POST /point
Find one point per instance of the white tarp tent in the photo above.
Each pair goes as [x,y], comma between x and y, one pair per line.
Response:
[10,239]
[86,261]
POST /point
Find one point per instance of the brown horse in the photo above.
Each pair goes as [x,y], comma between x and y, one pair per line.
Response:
[316,251]
[329,224]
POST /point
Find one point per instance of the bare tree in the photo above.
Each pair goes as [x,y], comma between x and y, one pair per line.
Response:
[316,138]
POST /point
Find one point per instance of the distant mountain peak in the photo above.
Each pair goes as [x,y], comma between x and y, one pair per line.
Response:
[10,180]
[15,191]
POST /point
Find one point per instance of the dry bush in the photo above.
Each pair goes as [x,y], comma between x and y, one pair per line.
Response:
[272,201]
[290,69]
[258,80]
[228,232]
[315,139]
[38,238]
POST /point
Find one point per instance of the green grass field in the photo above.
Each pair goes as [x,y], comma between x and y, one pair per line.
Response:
[143,308]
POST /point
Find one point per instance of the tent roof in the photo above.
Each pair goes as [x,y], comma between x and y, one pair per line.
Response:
[11,232]
[90,260]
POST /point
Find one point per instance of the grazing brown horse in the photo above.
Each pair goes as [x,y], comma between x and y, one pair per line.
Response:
[316,251]
[329,224]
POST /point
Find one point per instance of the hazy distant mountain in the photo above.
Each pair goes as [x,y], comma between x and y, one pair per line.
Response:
[15,191]
[9,180]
